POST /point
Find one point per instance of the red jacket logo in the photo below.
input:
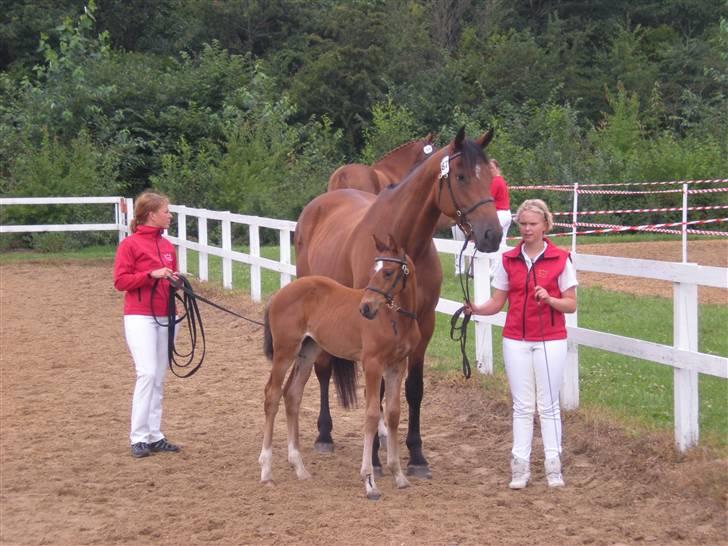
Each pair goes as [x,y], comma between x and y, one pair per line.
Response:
[167,256]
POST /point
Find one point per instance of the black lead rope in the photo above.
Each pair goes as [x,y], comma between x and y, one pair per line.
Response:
[462,328]
[191,314]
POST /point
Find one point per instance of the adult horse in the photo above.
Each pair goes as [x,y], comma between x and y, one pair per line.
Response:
[390,169]
[334,238]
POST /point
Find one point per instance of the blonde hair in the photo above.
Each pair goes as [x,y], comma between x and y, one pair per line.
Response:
[147,202]
[536,205]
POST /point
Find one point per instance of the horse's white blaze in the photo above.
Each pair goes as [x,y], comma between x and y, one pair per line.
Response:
[378,265]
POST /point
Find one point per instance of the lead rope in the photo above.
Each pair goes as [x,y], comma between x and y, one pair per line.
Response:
[459,332]
[193,318]
[546,360]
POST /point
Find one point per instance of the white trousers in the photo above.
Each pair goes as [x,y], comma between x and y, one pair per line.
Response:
[504,218]
[535,379]
[147,342]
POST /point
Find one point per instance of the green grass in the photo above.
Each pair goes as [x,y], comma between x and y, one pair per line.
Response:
[637,393]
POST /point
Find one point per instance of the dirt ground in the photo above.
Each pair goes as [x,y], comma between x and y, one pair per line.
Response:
[66,476]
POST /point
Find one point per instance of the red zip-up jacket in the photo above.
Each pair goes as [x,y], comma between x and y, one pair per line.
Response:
[522,320]
[137,256]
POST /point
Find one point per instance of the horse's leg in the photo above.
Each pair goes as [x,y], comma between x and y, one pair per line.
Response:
[273,392]
[373,378]
[393,377]
[414,390]
[380,437]
[293,396]
[324,442]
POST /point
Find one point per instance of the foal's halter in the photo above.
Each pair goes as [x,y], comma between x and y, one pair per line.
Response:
[461,216]
[402,273]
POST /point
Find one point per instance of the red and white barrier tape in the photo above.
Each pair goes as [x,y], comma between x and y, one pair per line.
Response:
[560,187]
[646,227]
[646,192]
[626,211]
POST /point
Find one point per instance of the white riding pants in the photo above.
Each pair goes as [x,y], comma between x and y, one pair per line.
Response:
[535,379]
[147,342]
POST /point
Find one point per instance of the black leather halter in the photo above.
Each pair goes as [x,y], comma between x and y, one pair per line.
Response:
[461,216]
[402,273]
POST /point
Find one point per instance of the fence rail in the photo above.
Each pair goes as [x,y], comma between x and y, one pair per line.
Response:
[683,356]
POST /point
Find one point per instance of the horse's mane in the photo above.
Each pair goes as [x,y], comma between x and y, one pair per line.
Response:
[470,152]
[390,152]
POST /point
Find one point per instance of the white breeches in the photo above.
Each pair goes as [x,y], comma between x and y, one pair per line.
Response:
[535,381]
[147,342]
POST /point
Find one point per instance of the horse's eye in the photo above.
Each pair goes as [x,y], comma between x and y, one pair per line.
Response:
[387,274]
[460,178]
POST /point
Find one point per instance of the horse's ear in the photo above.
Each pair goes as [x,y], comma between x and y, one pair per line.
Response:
[381,247]
[393,246]
[484,139]
[459,138]
[429,137]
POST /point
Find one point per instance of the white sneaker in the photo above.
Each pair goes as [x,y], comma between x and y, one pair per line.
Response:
[520,473]
[553,472]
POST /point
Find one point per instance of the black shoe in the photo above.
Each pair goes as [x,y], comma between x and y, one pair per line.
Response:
[163,445]
[140,449]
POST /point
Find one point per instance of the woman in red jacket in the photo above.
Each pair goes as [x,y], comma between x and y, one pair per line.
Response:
[144,265]
[538,280]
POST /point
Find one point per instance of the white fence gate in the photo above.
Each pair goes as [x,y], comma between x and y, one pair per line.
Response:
[683,356]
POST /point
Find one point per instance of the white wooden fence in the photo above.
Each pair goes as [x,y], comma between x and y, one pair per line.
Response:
[683,356]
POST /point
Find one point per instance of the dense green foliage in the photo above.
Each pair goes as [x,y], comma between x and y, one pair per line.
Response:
[247,105]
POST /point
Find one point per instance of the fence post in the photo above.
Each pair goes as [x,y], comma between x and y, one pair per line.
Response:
[202,241]
[483,330]
[227,261]
[685,336]
[182,236]
[254,233]
[285,244]
[570,386]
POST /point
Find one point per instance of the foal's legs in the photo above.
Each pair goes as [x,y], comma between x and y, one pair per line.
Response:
[373,378]
[393,376]
[283,357]
[293,395]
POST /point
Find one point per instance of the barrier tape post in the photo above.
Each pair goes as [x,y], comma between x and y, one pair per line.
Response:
[684,227]
[575,214]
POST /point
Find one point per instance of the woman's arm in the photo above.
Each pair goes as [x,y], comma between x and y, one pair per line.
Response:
[489,307]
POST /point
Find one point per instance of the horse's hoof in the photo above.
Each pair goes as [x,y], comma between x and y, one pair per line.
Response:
[323,447]
[374,495]
[268,483]
[419,471]
[378,472]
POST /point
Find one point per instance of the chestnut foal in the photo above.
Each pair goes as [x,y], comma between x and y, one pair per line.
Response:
[316,313]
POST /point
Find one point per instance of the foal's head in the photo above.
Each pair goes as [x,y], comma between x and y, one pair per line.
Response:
[393,271]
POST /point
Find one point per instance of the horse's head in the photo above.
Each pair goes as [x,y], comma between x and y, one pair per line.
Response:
[464,190]
[393,271]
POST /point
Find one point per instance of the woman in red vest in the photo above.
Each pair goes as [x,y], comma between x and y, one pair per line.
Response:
[538,280]
[144,265]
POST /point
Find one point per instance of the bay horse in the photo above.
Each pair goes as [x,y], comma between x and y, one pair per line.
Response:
[390,169]
[333,238]
[374,325]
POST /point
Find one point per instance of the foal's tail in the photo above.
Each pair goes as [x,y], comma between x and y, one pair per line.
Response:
[345,381]
[267,336]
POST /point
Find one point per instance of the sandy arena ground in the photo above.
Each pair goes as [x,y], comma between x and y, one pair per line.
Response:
[66,476]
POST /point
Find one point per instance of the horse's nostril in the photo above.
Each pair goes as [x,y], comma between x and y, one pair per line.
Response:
[365,310]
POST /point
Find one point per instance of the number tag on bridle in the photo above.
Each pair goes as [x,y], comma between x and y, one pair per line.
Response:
[445,166]
[427,149]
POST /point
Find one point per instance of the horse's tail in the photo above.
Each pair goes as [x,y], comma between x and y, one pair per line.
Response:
[267,336]
[345,381]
